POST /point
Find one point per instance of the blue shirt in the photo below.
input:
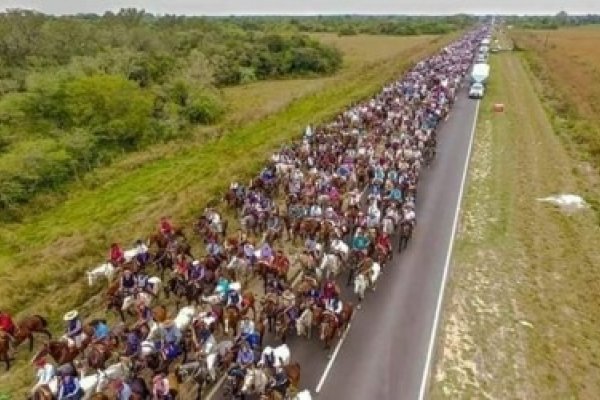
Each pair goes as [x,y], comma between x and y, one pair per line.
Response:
[69,387]
[245,357]
[102,331]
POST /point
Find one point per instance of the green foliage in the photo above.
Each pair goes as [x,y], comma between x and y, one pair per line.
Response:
[202,107]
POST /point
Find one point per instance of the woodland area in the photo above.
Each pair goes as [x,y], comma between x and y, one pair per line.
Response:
[78,91]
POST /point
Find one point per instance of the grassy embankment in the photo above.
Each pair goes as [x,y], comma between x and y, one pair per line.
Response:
[43,258]
[521,314]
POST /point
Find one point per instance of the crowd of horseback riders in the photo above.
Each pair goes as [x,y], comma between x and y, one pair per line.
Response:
[329,204]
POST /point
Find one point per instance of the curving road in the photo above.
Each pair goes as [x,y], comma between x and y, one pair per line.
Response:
[386,353]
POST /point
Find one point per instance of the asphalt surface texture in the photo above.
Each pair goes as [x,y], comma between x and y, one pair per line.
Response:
[384,352]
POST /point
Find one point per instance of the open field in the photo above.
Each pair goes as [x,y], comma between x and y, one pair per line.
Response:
[43,258]
[521,314]
[567,64]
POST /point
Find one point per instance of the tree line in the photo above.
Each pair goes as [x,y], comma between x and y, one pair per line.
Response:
[77,91]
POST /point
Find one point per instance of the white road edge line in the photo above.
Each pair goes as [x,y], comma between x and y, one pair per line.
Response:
[333,356]
[216,387]
[436,318]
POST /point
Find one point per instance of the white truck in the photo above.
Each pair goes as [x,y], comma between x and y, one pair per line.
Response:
[480,73]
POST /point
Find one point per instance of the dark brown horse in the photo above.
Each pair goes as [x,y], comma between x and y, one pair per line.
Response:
[4,349]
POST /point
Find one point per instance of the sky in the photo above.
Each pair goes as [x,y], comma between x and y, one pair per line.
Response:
[303,7]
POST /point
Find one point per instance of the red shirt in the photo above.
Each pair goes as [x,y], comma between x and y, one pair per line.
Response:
[116,254]
[6,323]
[166,227]
[384,241]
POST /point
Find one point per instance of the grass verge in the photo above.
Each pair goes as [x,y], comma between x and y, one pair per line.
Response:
[521,313]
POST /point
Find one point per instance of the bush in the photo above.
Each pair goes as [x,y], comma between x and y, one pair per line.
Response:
[203,108]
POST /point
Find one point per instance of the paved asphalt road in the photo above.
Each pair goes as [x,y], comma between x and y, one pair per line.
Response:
[384,353]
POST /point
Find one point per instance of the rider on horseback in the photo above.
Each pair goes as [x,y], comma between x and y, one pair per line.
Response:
[171,339]
[144,314]
[197,273]
[384,243]
[69,388]
[116,255]
[74,333]
[335,306]
[7,326]
[360,242]
[128,283]
[165,227]
[329,291]
[44,374]
[280,382]
[245,356]
[142,255]
[234,299]
[101,331]
[276,285]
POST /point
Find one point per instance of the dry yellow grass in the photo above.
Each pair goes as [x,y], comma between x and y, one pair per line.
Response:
[522,311]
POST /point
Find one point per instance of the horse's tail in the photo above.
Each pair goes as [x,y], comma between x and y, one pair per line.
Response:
[42,320]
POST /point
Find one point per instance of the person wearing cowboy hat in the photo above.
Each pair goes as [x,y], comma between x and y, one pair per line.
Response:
[45,372]
[245,356]
[160,387]
[171,339]
[128,282]
[74,333]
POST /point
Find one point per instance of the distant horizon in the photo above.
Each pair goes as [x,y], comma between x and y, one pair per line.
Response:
[308,8]
[325,14]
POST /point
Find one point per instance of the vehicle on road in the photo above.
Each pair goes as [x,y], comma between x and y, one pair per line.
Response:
[480,73]
[476,91]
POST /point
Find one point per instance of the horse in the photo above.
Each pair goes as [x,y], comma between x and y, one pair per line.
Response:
[4,349]
[406,231]
[28,326]
[60,351]
[106,270]
[366,279]
[231,317]
[329,327]
[292,371]
[255,381]
[304,323]
[330,266]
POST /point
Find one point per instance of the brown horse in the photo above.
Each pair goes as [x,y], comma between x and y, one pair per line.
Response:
[44,393]
[231,317]
[28,326]
[100,353]
[4,349]
[293,373]
[59,351]
[248,304]
[330,326]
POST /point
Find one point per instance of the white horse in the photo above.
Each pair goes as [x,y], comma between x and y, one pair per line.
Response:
[388,225]
[184,317]
[255,381]
[340,247]
[106,270]
[304,323]
[362,282]
[330,265]
[303,395]
[281,355]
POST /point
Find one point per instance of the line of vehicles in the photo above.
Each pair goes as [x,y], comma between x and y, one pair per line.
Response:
[481,70]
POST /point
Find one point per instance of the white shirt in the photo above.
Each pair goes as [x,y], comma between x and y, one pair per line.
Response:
[45,374]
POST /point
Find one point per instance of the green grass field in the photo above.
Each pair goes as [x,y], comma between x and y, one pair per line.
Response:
[42,260]
[520,319]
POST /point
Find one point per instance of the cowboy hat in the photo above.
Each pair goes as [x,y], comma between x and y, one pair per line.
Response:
[71,315]
[195,263]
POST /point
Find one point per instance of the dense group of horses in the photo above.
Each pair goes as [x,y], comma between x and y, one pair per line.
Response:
[303,212]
